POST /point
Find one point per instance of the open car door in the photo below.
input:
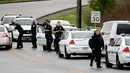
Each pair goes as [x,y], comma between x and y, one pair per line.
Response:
[41,40]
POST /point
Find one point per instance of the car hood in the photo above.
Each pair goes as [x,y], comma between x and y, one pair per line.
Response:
[26,27]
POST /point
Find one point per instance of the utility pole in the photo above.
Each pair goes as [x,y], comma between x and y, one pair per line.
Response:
[79,13]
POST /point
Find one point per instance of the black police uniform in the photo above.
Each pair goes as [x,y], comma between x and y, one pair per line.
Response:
[57,37]
[33,31]
[19,41]
[48,35]
[96,43]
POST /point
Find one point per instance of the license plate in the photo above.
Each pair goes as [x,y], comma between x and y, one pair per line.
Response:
[128,56]
[85,48]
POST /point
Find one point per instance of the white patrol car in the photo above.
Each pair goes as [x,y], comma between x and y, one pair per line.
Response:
[8,18]
[5,37]
[25,22]
[118,52]
[75,43]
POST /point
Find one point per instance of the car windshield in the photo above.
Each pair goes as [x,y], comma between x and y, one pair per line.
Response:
[123,29]
[1,29]
[127,41]
[24,22]
[82,35]
[8,19]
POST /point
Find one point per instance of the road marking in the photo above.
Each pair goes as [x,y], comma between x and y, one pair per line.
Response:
[25,56]
[34,59]
[77,72]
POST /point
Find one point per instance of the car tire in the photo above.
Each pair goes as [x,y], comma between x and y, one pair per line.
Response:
[67,56]
[44,48]
[108,64]
[118,65]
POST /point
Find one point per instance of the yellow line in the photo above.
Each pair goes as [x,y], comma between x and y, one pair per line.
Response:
[77,72]
[34,59]
[25,56]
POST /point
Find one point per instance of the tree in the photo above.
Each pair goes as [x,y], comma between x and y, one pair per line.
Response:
[102,5]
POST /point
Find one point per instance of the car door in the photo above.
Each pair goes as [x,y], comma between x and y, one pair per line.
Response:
[111,50]
[41,40]
[116,49]
[63,42]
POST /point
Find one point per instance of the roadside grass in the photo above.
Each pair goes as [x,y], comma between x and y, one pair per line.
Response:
[15,1]
[69,15]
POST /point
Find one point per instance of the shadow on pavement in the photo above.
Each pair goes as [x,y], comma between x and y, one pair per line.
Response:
[124,68]
[79,58]
[3,49]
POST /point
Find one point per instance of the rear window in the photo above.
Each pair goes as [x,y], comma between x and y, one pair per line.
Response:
[123,28]
[82,35]
[1,29]
[127,41]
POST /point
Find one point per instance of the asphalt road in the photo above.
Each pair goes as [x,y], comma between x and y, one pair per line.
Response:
[28,60]
[38,9]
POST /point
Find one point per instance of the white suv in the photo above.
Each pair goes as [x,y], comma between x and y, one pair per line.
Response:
[112,30]
[8,18]
[25,22]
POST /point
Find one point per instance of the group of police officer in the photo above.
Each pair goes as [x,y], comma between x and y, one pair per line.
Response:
[96,43]
[58,31]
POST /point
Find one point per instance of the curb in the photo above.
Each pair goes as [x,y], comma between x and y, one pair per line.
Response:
[58,12]
[22,2]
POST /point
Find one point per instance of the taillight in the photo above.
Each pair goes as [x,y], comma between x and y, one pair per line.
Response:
[126,49]
[72,42]
[5,35]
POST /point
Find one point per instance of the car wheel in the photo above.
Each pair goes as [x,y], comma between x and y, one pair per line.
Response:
[108,64]
[44,48]
[118,65]
[60,55]
[67,56]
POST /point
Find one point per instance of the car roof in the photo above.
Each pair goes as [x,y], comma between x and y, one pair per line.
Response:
[24,18]
[118,21]
[81,31]
[10,16]
[63,22]
[55,21]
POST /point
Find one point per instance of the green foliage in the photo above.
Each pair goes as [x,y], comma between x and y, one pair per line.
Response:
[102,5]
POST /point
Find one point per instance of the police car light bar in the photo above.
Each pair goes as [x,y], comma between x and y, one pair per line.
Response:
[12,14]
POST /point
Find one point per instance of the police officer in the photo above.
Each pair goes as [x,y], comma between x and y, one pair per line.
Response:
[48,34]
[96,43]
[58,31]
[20,30]
[33,31]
